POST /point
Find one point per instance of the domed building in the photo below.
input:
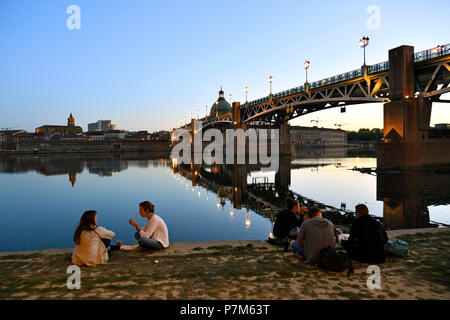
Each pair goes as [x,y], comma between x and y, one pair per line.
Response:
[221,105]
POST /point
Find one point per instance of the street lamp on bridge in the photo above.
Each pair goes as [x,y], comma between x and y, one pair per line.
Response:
[438,49]
[306,66]
[246,92]
[270,83]
[363,43]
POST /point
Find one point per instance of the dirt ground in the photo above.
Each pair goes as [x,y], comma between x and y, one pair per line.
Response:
[228,270]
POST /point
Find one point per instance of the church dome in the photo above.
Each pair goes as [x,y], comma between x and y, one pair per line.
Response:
[221,105]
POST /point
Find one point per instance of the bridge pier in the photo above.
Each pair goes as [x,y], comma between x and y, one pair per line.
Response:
[240,184]
[283,175]
[407,119]
[285,138]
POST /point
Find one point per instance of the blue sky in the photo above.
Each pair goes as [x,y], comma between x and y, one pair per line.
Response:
[148,64]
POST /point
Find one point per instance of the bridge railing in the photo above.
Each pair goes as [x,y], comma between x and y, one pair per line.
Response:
[382,66]
[379,67]
[432,53]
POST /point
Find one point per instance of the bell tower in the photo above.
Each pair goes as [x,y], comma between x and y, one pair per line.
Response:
[71,121]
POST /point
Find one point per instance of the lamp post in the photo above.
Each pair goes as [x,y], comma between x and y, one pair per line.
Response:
[270,79]
[246,92]
[363,43]
[206,111]
[230,97]
[306,66]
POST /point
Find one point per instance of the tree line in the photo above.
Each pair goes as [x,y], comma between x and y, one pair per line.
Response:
[364,134]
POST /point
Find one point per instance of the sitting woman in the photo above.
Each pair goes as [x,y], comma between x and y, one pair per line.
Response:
[92,241]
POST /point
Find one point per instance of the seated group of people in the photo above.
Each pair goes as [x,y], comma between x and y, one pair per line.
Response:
[93,242]
[308,230]
[312,233]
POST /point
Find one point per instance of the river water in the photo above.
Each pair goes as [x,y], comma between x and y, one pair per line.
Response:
[42,197]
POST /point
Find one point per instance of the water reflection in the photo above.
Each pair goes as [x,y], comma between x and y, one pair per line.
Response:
[72,164]
[316,177]
[407,196]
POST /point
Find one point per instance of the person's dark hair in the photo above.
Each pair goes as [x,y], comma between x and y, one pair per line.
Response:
[147,206]
[87,223]
[313,212]
[362,209]
[290,203]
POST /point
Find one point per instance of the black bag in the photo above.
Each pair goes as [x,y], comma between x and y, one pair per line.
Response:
[335,260]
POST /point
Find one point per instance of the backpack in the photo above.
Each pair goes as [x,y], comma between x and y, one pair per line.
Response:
[335,260]
[397,247]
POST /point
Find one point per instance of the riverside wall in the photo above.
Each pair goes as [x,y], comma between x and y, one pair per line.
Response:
[90,146]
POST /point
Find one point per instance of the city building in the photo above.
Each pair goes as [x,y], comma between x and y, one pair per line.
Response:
[314,136]
[115,134]
[95,135]
[160,136]
[8,135]
[101,125]
[73,137]
[137,135]
[29,137]
[64,130]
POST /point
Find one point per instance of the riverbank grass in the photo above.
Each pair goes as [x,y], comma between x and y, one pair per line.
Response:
[230,272]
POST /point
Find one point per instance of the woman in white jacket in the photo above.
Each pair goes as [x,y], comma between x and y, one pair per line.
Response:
[91,241]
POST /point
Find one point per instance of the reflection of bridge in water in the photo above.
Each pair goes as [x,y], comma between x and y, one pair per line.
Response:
[267,199]
[406,197]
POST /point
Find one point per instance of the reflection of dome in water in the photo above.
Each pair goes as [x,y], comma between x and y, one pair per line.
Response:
[221,105]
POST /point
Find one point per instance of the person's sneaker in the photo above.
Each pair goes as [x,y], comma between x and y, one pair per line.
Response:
[116,246]
[127,247]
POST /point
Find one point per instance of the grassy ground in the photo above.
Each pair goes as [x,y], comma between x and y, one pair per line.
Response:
[230,272]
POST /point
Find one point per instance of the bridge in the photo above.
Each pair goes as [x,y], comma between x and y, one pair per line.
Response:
[407,84]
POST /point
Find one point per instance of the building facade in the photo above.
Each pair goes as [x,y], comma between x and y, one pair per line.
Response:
[314,136]
[102,125]
[114,134]
[63,130]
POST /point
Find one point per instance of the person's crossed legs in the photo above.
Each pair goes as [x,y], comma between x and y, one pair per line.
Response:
[148,243]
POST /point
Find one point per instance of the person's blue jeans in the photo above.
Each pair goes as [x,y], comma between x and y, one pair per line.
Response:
[297,249]
[106,242]
[148,243]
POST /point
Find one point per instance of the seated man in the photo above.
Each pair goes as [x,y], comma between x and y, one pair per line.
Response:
[154,235]
[367,238]
[287,223]
[315,234]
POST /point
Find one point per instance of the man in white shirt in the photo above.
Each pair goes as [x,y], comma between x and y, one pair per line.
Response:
[154,235]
